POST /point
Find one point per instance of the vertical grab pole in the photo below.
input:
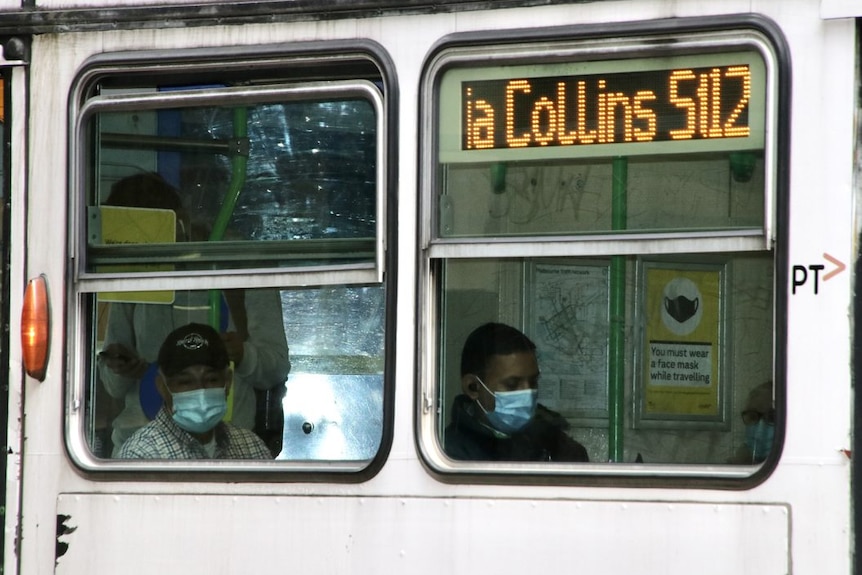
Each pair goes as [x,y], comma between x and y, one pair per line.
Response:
[617,303]
[239,164]
[239,161]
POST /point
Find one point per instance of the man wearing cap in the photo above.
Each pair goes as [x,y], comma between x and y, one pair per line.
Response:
[250,324]
[194,378]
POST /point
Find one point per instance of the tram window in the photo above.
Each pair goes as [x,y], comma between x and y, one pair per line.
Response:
[296,177]
[255,210]
[617,214]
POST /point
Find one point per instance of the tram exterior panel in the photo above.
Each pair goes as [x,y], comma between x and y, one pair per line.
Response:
[405,505]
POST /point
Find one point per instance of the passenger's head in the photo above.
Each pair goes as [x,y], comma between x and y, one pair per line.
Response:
[194,376]
[499,371]
[759,419]
[145,190]
[489,340]
[150,190]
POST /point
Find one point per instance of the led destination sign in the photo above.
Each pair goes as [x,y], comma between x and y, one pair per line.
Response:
[712,107]
[605,109]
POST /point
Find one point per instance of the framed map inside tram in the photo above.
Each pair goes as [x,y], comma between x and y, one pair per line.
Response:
[568,319]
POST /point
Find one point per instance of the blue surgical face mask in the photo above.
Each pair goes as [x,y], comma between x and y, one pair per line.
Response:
[199,410]
[512,409]
[758,438]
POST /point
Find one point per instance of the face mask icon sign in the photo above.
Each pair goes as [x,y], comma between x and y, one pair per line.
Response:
[681,310]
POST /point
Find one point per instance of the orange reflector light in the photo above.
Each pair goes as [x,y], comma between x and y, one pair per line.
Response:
[35,325]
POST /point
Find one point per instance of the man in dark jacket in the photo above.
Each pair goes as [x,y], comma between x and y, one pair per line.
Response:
[497,417]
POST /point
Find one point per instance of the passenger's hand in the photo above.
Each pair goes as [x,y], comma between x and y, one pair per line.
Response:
[234,344]
[123,361]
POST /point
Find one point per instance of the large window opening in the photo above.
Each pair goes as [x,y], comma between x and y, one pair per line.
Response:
[599,264]
[231,221]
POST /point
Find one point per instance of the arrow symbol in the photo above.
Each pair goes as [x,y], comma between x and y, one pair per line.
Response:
[839,267]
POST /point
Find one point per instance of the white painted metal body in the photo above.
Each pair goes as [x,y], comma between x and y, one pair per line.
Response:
[404,519]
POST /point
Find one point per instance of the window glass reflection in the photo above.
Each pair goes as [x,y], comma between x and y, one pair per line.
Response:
[300,176]
[333,409]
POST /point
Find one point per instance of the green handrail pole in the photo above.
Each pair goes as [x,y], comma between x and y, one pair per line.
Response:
[239,164]
[617,305]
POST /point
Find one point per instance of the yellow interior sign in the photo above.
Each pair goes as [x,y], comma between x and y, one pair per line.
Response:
[124,225]
[683,329]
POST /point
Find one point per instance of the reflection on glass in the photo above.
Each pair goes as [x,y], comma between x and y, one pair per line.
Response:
[333,408]
[332,417]
[310,172]
[306,184]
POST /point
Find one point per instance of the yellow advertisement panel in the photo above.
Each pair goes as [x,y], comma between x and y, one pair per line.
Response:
[682,311]
[124,225]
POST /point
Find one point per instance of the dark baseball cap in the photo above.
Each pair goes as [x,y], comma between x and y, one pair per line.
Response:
[192,344]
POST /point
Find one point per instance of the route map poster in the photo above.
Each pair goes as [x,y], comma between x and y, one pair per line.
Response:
[681,354]
[569,325]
